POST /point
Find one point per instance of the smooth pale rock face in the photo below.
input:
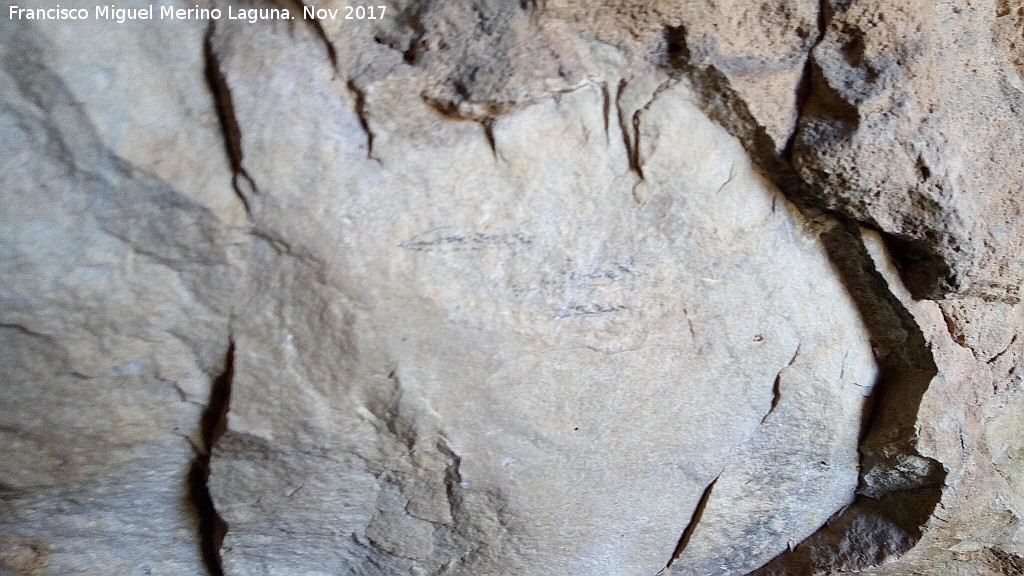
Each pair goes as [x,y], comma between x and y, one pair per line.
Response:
[115,281]
[497,350]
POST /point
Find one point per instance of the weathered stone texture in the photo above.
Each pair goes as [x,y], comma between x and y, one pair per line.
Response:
[115,288]
[495,336]
[914,127]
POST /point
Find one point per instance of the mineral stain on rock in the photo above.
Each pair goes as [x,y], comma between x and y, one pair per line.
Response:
[22,555]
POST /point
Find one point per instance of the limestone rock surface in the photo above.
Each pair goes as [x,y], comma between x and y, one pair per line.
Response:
[501,348]
[116,272]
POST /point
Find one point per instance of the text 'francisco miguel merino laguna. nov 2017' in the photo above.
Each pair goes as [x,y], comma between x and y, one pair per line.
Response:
[121,15]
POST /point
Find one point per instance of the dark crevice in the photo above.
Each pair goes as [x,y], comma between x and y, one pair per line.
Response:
[450,110]
[924,273]
[776,397]
[1002,352]
[452,477]
[488,126]
[777,386]
[412,19]
[361,113]
[691,526]
[899,488]
[804,86]
[317,28]
[225,107]
[634,161]
[24,330]
[211,526]
[720,102]
[815,97]
[629,132]
[824,103]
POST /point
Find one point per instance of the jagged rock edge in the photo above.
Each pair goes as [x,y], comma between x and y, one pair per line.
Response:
[715,96]
[211,527]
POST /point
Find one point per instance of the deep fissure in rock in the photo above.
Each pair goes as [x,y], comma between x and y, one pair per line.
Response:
[317,28]
[691,526]
[211,526]
[899,488]
[225,107]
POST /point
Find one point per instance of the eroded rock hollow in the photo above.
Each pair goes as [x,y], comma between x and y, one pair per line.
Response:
[511,288]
